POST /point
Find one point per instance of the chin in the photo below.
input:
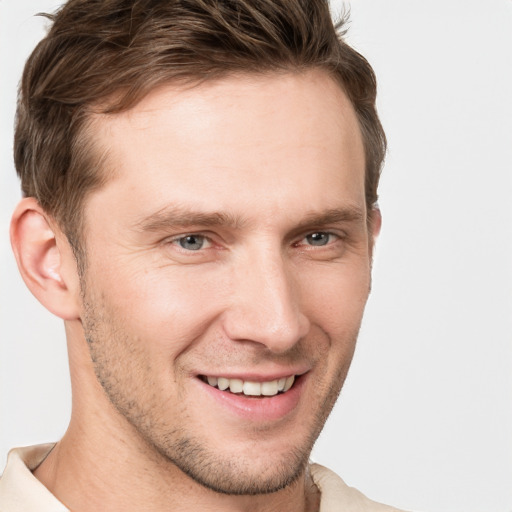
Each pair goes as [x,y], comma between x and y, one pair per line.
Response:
[263,472]
[246,477]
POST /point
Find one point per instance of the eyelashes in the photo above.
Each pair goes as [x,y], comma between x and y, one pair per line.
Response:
[320,238]
[193,242]
[200,242]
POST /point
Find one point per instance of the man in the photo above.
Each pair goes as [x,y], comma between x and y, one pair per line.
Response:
[200,181]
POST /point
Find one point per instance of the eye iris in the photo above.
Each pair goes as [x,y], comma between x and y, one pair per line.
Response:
[192,242]
[318,238]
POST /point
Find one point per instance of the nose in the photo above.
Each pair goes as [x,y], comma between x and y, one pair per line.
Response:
[265,303]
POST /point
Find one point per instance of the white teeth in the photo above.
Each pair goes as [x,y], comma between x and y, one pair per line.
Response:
[251,388]
[289,383]
[223,383]
[269,388]
[236,385]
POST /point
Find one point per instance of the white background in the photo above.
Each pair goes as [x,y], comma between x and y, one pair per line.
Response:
[425,420]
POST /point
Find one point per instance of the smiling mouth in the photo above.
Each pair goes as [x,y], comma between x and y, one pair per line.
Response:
[250,388]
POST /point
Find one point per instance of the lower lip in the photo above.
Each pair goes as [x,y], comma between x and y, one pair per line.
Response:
[259,409]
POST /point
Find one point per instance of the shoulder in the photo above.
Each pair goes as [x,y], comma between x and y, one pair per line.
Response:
[20,490]
[337,496]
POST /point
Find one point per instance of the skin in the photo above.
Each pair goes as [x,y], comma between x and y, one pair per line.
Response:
[267,175]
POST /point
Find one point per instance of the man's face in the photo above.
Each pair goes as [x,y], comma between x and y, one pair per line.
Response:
[229,249]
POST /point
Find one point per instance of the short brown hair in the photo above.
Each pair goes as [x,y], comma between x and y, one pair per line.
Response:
[96,50]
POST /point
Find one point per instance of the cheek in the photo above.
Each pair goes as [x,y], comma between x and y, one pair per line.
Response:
[335,304]
[168,308]
[335,296]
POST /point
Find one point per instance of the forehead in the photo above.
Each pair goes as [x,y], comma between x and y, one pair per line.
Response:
[235,143]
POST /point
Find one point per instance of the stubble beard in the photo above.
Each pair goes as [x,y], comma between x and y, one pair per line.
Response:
[113,352]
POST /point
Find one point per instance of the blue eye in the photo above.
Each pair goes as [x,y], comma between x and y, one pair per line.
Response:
[192,242]
[319,238]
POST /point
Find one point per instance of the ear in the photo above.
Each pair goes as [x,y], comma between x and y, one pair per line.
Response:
[45,260]
[375,223]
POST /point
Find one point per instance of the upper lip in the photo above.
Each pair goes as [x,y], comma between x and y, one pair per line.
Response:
[255,376]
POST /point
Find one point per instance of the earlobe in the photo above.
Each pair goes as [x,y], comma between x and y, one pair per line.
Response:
[42,257]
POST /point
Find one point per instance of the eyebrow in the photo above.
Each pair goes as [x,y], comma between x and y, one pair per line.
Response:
[177,217]
[352,214]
